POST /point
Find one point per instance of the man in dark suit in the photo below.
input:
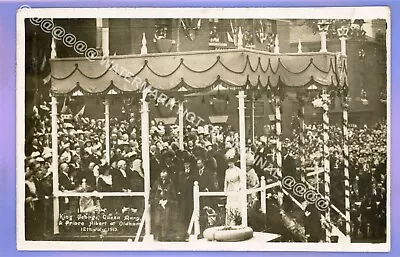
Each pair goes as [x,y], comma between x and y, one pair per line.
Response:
[65,182]
[288,165]
[288,169]
[87,173]
[120,183]
[185,189]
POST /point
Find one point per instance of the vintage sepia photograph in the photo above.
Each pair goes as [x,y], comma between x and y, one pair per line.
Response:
[251,129]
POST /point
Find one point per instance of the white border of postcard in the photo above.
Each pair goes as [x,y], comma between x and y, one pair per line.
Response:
[270,13]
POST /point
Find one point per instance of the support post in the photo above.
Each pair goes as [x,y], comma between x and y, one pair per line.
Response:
[326,163]
[302,143]
[143,50]
[54,146]
[323,41]
[252,117]
[105,39]
[107,128]
[196,208]
[240,39]
[242,138]
[346,168]
[276,48]
[146,162]
[278,153]
[53,53]
[343,45]
[299,47]
[316,176]
[263,196]
[180,120]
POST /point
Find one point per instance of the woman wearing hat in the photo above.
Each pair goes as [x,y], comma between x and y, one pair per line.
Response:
[232,184]
[30,206]
[104,184]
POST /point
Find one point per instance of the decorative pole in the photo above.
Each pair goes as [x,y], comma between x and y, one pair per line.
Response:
[146,161]
[107,128]
[346,164]
[105,39]
[53,53]
[278,131]
[299,47]
[240,39]
[323,31]
[196,208]
[180,117]
[54,146]
[342,32]
[324,102]
[263,196]
[302,140]
[252,117]
[143,50]
[276,48]
[242,137]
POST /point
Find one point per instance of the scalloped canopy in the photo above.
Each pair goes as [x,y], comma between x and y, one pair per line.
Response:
[195,71]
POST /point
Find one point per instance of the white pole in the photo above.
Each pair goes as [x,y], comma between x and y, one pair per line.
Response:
[54,146]
[278,153]
[143,50]
[53,53]
[343,45]
[327,179]
[196,208]
[253,134]
[180,120]
[107,128]
[299,47]
[146,162]
[105,45]
[323,42]
[263,196]
[347,205]
[276,48]
[242,137]
[240,38]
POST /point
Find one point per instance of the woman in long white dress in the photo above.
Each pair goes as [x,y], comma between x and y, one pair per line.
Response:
[232,184]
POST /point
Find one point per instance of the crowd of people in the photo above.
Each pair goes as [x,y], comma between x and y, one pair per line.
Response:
[210,156]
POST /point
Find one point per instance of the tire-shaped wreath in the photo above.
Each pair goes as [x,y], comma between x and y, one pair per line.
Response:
[228,234]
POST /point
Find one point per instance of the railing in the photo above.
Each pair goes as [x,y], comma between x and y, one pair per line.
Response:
[96,194]
[195,220]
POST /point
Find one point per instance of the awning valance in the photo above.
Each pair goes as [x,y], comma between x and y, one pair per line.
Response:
[197,71]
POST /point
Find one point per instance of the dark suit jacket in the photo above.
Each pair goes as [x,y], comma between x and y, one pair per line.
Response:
[289,167]
[65,183]
[119,182]
[88,175]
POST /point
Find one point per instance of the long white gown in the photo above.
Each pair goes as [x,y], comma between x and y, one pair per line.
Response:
[233,202]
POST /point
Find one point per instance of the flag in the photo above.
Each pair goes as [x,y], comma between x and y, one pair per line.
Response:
[81,112]
[47,79]
[35,110]
[44,62]
[230,39]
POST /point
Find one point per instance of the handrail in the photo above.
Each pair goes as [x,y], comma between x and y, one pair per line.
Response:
[97,194]
[248,191]
[333,206]
[142,220]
